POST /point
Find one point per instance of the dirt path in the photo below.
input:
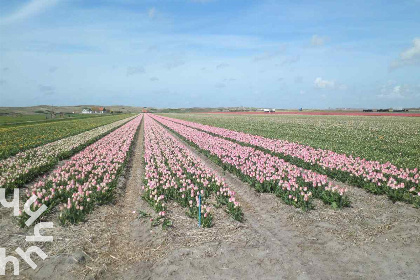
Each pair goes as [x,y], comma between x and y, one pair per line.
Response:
[374,239]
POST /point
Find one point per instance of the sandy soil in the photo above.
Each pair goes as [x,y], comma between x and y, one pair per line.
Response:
[374,239]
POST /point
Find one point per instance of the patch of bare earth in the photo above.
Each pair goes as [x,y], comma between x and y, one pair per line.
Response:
[373,239]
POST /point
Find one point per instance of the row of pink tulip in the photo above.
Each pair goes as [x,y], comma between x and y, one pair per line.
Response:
[174,173]
[397,183]
[88,178]
[265,172]
[25,166]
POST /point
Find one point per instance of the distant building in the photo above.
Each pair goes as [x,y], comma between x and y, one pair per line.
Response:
[269,110]
[399,110]
[98,110]
[86,111]
[94,110]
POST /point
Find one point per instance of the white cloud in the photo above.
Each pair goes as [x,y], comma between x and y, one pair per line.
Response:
[317,40]
[413,52]
[410,56]
[391,90]
[320,83]
[326,84]
[152,12]
[32,8]
[396,92]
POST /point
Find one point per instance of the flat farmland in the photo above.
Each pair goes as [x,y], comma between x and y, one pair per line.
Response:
[393,139]
[190,196]
[7,120]
[328,113]
[18,138]
[191,140]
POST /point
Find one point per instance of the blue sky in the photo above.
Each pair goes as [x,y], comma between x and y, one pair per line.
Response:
[186,53]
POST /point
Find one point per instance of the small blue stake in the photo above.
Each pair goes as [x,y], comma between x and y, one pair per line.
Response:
[199,210]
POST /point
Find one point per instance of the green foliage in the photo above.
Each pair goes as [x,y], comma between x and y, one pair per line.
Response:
[335,200]
[14,139]
[393,139]
[166,223]
[143,214]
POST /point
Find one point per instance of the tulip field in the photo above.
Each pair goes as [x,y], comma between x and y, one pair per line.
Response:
[15,139]
[294,172]
[399,184]
[266,173]
[24,166]
[174,173]
[86,179]
[156,187]
[382,139]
